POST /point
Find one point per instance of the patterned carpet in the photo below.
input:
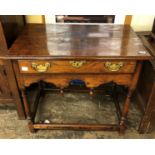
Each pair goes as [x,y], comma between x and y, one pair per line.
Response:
[71,108]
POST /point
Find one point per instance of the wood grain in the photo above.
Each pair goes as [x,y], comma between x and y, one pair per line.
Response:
[66,66]
[78,41]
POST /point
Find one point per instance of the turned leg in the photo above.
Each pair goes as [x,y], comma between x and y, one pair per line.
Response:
[128,98]
[125,111]
[27,111]
[26,104]
[114,96]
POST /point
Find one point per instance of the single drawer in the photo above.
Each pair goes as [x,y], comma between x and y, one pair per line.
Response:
[80,66]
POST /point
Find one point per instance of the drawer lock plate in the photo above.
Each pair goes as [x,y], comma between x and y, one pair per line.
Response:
[40,67]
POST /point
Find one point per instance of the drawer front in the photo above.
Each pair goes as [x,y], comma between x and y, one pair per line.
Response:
[80,66]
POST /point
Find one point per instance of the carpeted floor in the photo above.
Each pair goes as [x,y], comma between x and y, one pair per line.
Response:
[72,108]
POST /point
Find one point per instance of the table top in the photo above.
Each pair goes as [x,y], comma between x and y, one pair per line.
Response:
[100,41]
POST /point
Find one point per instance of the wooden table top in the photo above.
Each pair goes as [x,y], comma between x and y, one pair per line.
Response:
[100,41]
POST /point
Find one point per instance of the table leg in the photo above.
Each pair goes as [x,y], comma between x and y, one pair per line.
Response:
[26,104]
[27,111]
[125,111]
[114,96]
[128,98]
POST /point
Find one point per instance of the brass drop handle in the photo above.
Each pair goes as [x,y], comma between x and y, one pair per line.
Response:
[40,67]
[114,67]
[77,64]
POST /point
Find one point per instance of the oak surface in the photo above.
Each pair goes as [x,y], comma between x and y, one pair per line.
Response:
[63,41]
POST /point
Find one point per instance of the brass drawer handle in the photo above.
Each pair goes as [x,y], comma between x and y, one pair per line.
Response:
[114,66]
[40,67]
[77,64]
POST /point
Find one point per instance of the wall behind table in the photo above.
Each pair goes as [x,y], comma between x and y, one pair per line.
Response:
[142,23]
[138,23]
[34,19]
